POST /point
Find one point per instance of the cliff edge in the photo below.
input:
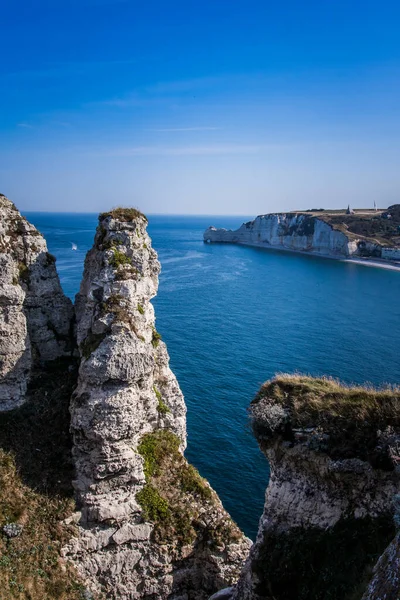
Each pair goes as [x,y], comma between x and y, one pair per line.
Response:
[328,512]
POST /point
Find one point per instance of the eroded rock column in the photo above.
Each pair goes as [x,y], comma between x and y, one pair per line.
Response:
[150,526]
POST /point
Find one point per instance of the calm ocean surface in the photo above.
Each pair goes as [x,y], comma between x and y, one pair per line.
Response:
[232,317]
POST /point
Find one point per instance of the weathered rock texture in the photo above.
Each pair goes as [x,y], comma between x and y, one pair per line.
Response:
[150,526]
[385,584]
[328,507]
[326,235]
[36,317]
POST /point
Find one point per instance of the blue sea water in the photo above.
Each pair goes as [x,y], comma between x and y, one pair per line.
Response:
[234,316]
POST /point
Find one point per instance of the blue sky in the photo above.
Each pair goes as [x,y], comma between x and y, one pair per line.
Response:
[199,107]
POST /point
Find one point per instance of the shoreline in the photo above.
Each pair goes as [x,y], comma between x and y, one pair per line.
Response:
[357,260]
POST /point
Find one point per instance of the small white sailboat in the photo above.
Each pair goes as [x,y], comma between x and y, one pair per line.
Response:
[74,246]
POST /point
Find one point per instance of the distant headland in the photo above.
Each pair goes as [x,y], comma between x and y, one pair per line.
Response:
[370,237]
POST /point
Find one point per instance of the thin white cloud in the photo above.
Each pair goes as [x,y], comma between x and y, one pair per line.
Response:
[215,150]
[178,129]
[162,92]
[25,125]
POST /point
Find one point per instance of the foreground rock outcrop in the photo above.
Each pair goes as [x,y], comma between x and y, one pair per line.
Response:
[328,509]
[35,317]
[385,583]
[328,234]
[150,526]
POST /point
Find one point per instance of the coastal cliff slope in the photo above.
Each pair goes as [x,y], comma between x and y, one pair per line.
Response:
[35,317]
[146,525]
[334,234]
[150,526]
[328,511]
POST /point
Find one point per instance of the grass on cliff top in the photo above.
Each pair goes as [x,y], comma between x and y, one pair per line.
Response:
[175,494]
[123,214]
[312,398]
[352,417]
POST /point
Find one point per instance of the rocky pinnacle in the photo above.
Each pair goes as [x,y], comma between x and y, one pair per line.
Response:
[150,526]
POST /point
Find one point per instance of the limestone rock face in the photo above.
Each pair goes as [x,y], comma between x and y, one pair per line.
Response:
[328,505]
[385,583]
[150,526]
[293,231]
[36,317]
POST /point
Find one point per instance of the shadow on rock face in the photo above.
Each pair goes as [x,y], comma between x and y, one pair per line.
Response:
[37,433]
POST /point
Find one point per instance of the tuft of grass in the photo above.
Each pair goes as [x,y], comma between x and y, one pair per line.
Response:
[155,447]
[119,258]
[123,214]
[161,407]
[156,337]
[140,309]
[155,507]
[191,481]
[23,272]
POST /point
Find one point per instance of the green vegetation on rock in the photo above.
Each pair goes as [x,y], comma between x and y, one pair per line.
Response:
[351,417]
[119,258]
[161,407]
[156,337]
[155,508]
[156,448]
[175,494]
[123,214]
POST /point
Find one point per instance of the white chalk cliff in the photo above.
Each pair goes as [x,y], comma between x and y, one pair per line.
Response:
[291,231]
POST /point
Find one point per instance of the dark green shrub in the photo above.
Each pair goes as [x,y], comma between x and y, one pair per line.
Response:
[155,508]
